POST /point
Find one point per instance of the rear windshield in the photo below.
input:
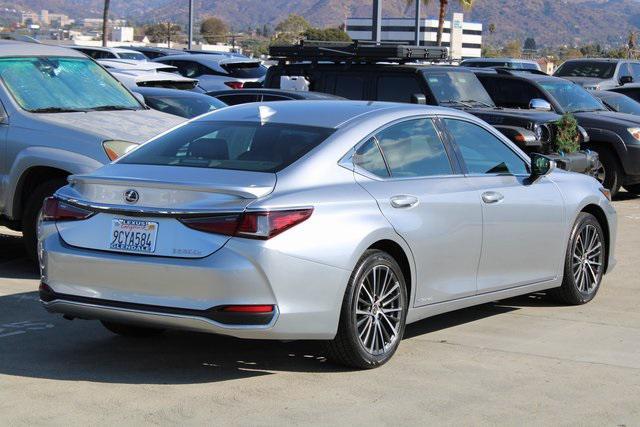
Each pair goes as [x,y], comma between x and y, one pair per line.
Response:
[132,55]
[245,146]
[245,70]
[595,69]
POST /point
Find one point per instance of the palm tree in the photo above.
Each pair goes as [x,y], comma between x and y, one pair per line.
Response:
[105,22]
[466,4]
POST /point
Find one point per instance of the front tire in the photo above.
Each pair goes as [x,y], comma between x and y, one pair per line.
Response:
[610,174]
[130,331]
[31,213]
[373,314]
[584,262]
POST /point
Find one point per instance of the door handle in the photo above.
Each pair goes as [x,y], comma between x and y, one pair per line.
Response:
[492,197]
[404,201]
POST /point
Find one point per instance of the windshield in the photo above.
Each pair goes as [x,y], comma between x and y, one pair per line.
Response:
[621,104]
[58,84]
[132,55]
[572,97]
[184,106]
[245,70]
[595,69]
[451,87]
[245,146]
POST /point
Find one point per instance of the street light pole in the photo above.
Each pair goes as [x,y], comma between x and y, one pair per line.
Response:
[418,22]
[376,27]
[190,24]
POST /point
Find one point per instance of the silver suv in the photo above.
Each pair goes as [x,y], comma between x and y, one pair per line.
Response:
[600,73]
[60,114]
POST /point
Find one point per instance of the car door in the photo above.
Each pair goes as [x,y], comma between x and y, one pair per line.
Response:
[415,179]
[523,222]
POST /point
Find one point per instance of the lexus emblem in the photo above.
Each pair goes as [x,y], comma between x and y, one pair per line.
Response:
[131,196]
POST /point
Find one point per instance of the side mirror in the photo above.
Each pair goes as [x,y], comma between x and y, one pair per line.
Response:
[418,98]
[625,79]
[539,104]
[541,166]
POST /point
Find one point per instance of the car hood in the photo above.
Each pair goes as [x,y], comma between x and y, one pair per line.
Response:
[608,117]
[500,115]
[134,126]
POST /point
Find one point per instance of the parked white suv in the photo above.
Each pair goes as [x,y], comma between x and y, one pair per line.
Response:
[110,53]
[60,114]
[600,73]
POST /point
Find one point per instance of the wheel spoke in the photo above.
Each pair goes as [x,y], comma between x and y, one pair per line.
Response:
[384,297]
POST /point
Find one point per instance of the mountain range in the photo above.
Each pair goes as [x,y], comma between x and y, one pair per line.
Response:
[550,22]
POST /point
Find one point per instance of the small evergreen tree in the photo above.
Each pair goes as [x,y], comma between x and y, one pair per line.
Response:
[566,138]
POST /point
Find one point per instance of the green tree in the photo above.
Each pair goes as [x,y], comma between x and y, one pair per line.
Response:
[566,138]
[164,33]
[512,49]
[214,29]
[291,29]
[443,5]
[326,34]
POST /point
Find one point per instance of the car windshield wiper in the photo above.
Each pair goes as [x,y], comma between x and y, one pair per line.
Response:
[111,108]
[456,102]
[57,110]
[484,104]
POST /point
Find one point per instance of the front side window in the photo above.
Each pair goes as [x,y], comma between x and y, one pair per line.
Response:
[482,152]
[398,88]
[245,146]
[414,149]
[60,84]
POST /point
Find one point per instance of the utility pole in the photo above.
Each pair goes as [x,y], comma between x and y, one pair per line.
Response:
[190,24]
[169,35]
[418,2]
[376,33]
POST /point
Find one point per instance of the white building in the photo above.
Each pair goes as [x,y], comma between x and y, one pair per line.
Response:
[122,34]
[464,41]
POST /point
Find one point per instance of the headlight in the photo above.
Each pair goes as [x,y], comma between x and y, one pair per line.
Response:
[635,133]
[116,149]
[542,132]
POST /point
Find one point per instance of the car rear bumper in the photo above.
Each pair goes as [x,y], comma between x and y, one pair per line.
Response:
[190,293]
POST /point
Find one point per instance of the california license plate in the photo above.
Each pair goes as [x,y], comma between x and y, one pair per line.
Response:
[131,235]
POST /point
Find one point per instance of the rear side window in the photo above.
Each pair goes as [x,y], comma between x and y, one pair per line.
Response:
[414,149]
[246,146]
[349,86]
[369,158]
[397,88]
[482,152]
[245,70]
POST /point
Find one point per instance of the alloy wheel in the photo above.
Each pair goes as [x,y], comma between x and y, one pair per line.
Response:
[379,309]
[587,259]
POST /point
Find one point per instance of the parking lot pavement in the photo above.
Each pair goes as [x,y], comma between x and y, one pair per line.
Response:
[518,361]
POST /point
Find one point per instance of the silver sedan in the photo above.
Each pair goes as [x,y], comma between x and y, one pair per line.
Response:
[339,221]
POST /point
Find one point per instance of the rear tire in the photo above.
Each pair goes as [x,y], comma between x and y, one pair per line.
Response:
[130,331]
[584,262]
[611,174]
[373,314]
[31,213]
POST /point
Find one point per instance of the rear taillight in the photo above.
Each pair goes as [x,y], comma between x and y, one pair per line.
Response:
[235,85]
[248,308]
[252,225]
[54,209]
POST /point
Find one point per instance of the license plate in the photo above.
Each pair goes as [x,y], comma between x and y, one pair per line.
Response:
[131,235]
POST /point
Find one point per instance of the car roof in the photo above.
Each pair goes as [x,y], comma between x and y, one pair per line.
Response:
[612,60]
[326,114]
[9,48]
[527,61]
[522,74]
[207,58]
[299,94]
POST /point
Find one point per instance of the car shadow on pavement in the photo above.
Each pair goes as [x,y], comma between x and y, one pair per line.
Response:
[13,261]
[36,344]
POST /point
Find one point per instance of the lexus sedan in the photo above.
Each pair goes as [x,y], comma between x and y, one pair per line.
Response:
[327,220]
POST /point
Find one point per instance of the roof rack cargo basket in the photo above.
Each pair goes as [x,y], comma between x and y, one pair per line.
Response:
[358,51]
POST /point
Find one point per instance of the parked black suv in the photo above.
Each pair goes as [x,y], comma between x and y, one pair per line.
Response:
[614,136]
[345,71]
